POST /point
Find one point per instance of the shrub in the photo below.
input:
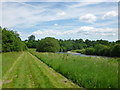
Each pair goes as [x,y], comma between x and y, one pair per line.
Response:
[48,45]
[90,51]
[115,50]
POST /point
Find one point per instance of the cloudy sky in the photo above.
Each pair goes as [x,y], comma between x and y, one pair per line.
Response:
[62,20]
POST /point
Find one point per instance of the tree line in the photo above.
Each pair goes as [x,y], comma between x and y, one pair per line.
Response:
[12,42]
[89,47]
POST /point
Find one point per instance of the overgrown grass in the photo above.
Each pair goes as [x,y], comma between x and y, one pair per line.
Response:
[88,72]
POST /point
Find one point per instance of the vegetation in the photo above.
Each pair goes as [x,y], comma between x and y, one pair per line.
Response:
[8,59]
[101,50]
[31,38]
[11,41]
[82,51]
[98,47]
[0,70]
[0,39]
[88,72]
[115,50]
[48,45]
[31,42]
[23,70]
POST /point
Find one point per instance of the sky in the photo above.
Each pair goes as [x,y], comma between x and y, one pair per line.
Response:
[62,20]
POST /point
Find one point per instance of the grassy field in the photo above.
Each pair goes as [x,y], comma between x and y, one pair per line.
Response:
[23,70]
[88,72]
[0,71]
[8,60]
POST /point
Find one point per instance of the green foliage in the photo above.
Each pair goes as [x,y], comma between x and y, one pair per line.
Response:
[115,51]
[104,50]
[98,47]
[82,51]
[90,51]
[48,45]
[11,41]
[67,45]
[88,72]
[30,38]
[0,39]
[31,43]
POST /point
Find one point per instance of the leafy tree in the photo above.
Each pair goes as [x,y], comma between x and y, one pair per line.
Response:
[115,51]
[48,44]
[31,42]
[11,41]
[30,38]
[0,39]
[118,41]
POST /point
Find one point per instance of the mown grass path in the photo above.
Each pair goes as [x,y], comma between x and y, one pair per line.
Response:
[29,72]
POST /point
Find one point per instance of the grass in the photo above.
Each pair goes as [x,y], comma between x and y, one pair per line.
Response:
[0,71]
[23,70]
[79,51]
[8,59]
[88,72]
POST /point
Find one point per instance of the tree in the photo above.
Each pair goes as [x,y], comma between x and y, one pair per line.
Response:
[89,43]
[115,51]
[0,39]
[31,42]
[11,41]
[48,44]
[30,38]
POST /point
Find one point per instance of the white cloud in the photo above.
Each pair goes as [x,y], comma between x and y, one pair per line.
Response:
[20,14]
[55,24]
[80,30]
[28,15]
[52,32]
[61,13]
[90,18]
[19,33]
[87,28]
[110,14]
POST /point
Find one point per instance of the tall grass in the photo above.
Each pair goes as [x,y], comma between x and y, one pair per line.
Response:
[88,72]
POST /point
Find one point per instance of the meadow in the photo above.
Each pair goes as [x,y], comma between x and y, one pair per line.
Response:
[0,71]
[8,59]
[23,70]
[87,72]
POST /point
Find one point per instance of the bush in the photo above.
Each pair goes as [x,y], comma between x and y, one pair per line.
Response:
[90,51]
[48,45]
[115,50]
[82,51]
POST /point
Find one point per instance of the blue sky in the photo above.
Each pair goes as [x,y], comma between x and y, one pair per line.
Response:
[62,20]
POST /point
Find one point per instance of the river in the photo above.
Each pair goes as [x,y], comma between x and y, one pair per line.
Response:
[82,55]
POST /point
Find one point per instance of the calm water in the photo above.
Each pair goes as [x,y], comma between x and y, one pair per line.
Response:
[79,54]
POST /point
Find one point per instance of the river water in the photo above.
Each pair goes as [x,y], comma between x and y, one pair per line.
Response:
[82,55]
